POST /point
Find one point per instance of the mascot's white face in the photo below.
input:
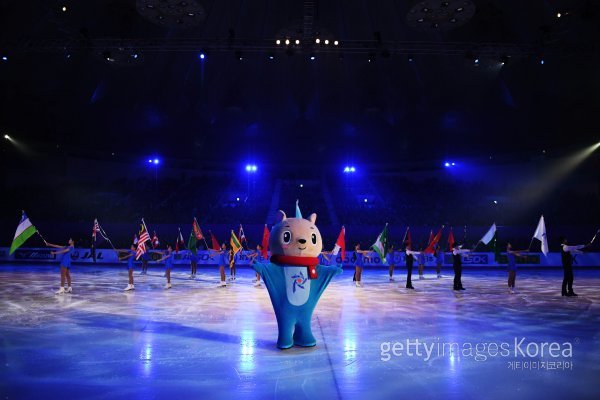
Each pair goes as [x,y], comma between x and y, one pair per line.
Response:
[296,237]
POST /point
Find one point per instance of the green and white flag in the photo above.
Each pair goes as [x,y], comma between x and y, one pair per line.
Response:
[24,231]
[381,244]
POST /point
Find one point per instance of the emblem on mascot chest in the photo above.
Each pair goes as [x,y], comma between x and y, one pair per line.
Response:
[297,285]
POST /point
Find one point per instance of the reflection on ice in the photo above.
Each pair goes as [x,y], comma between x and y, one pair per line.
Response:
[197,340]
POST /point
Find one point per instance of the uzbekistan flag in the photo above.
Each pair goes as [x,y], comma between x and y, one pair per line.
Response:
[381,244]
[24,231]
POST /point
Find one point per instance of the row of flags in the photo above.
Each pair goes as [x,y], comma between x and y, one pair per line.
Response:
[26,229]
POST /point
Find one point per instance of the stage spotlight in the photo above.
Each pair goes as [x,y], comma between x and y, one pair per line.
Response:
[335,42]
[542,61]
[317,40]
[278,42]
[453,164]
[326,41]
[558,15]
[156,161]
[352,169]
[64,9]
[271,57]
[4,58]
[6,137]
[248,168]
[237,199]
[297,41]
[149,161]
[312,57]
[446,164]
[495,201]
[254,168]
[301,185]
[366,200]
[202,56]
[347,169]
[287,41]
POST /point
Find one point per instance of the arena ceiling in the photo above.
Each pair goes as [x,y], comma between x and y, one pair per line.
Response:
[407,81]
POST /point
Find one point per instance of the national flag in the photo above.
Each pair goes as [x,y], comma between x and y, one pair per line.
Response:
[24,231]
[214,242]
[197,231]
[179,242]
[265,241]
[193,243]
[95,229]
[489,234]
[242,236]
[450,240]
[433,242]
[540,234]
[340,244]
[155,241]
[381,244]
[141,244]
[235,243]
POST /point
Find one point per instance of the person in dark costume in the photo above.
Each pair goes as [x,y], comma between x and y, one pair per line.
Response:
[566,254]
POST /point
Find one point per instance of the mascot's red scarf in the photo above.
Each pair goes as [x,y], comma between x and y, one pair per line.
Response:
[309,262]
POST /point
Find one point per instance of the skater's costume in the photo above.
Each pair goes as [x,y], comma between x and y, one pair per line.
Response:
[130,259]
[65,258]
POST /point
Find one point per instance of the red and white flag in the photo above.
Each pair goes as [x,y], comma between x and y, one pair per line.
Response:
[155,241]
[340,244]
[242,236]
[179,241]
[95,229]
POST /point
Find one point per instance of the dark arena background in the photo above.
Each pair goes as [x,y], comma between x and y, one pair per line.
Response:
[430,133]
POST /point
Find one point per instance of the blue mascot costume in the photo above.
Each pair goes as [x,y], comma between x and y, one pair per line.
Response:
[294,279]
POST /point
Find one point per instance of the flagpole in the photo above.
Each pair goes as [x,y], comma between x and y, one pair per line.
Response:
[405,233]
[594,238]
[105,235]
[530,243]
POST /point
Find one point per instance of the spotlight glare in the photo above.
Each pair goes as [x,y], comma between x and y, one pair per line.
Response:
[326,41]
[287,41]
[4,58]
[297,41]
[278,42]
[156,161]
[64,9]
[558,15]
[317,40]
[477,61]
[202,56]
[6,137]
[248,168]
[335,42]
[312,58]
[495,201]
[446,164]
[347,169]
[352,169]
[366,200]
[237,199]
[301,185]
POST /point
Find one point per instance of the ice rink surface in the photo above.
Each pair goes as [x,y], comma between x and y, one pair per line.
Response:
[200,341]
